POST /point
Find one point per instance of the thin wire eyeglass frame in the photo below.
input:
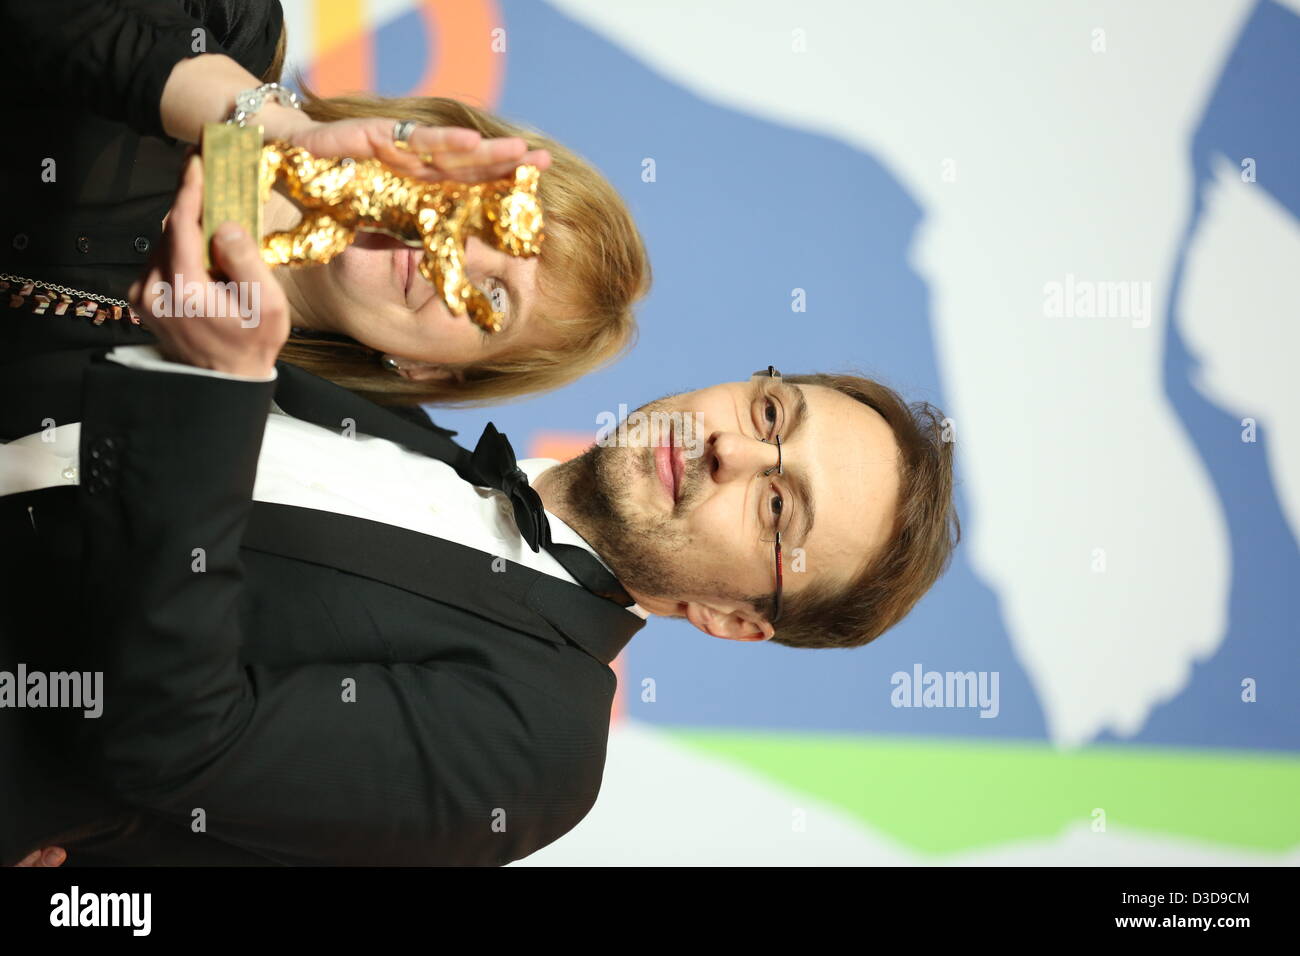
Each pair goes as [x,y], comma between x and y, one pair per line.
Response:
[771,372]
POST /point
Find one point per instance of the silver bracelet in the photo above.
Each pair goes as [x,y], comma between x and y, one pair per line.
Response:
[250,101]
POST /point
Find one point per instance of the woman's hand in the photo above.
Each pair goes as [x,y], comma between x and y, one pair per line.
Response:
[436,153]
[241,323]
[201,89]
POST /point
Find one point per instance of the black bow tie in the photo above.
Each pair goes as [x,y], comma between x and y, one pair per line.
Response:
[492,465]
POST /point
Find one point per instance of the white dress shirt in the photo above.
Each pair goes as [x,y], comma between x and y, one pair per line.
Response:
[307,466]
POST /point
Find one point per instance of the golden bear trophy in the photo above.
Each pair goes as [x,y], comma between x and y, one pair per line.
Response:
[339,196]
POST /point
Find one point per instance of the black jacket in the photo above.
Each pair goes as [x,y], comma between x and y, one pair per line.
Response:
[482,698]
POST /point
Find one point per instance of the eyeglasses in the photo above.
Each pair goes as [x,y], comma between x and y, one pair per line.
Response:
[777,506]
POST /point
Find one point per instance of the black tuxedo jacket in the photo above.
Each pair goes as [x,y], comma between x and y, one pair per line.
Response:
[320,690]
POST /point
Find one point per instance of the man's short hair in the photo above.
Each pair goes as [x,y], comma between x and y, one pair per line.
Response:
[925,531]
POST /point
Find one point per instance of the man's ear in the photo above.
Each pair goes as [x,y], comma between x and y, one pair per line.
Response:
[733,623]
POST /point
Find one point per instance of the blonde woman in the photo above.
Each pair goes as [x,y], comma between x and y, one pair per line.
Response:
[577,314]
[74,241]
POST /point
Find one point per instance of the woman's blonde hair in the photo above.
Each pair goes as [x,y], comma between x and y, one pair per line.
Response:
[593,269]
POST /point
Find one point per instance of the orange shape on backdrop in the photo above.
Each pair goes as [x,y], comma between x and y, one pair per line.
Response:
[558,445]
[562,446]
[462,63]
[342,46]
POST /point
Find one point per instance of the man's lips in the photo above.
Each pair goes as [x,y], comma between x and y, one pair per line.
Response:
[669,463]
[679,466]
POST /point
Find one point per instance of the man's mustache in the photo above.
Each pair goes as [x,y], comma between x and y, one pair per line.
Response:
[651,427]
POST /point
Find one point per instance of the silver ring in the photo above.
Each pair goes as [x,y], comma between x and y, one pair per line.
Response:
[402,130]
[391,363]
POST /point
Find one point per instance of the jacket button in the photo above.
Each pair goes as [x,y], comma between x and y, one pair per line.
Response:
[141,244]
[83,244]
[20,241]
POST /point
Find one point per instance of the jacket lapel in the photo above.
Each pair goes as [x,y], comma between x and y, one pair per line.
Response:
[523,599]
[597,625]
[313,399]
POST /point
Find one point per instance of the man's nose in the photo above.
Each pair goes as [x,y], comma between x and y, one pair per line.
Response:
[740,457]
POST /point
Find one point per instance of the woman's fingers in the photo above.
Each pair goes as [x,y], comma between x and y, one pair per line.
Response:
[487,153]
[428,139]
[433,153]
[478,174]
[494,158]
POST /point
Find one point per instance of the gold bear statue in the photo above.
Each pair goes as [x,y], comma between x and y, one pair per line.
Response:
[339,196]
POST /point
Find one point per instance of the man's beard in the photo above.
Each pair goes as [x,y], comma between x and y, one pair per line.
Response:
[647,552]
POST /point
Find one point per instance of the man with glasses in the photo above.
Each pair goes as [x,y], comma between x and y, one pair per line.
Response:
[799,465]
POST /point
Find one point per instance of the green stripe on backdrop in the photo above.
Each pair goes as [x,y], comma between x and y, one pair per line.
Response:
[947,795]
